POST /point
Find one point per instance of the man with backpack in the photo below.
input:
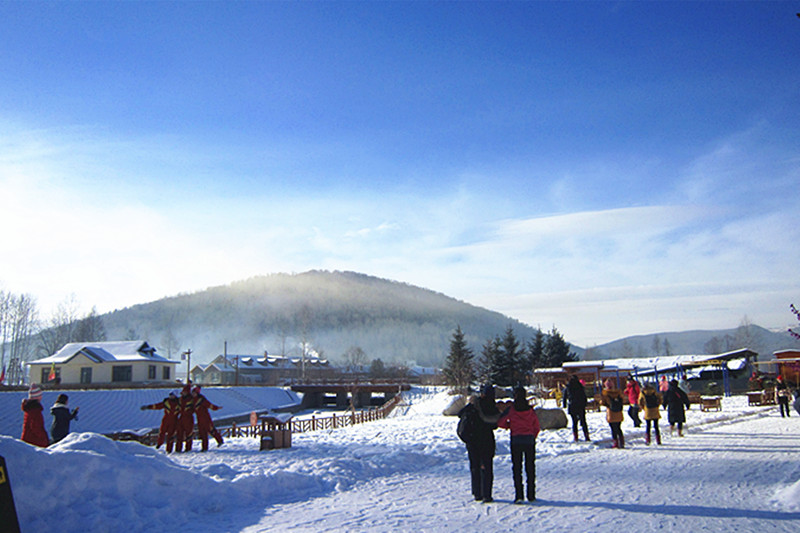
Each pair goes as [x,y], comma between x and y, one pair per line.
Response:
[477,422]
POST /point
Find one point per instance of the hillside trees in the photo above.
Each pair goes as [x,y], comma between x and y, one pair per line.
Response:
[459,367]
[796,313]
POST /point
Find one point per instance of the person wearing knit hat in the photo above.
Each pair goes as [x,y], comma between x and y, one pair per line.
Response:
[33,431]
[61,418]
[35,392]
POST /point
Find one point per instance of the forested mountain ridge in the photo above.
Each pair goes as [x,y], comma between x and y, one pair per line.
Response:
[756,338]
[329,312]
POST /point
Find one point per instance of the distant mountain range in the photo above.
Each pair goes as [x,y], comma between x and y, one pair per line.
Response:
[331,312]
[758,339]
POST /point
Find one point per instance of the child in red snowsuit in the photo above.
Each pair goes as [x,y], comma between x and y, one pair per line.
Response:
[204,423]
[33,431]
[185,431]
[169,422]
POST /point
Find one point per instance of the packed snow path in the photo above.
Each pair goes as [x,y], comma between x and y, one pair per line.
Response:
[737,470]
[718,478]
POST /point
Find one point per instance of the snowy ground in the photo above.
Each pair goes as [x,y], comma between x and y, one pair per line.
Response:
[738,470]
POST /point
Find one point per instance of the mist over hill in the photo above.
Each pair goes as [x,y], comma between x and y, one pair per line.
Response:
[328,311]
[331,312]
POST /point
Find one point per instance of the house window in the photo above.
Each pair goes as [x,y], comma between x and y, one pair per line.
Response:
[122,373]
[165,373]
[46,375]
[86,375]
[151,372]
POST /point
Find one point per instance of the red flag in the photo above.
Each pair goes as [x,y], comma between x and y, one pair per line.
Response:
[3,375]
[52,375]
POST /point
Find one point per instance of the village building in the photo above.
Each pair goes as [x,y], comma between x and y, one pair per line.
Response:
[260,370]
[729,370]
[117,363]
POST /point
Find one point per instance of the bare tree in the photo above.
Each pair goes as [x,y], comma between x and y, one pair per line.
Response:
[20,325]
[60,328]
[354,359]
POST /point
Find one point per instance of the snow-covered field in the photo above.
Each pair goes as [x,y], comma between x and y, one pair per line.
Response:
[735,470]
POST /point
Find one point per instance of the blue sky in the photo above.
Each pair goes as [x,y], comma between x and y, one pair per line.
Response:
[610,168]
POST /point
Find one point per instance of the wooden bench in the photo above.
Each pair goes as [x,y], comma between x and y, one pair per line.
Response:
[754,397]
[593,404]
[711,403]
[694,397]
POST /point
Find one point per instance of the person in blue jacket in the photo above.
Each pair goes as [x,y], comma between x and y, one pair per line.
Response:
[61,418]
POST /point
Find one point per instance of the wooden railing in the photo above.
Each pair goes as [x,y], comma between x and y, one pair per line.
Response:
[314,423]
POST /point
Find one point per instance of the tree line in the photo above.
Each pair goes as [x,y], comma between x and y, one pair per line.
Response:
[504,360]
[24,336]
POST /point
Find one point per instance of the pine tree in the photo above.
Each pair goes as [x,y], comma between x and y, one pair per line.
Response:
[536,351]
[557,349]
[459,369]
[511,365]
[487,366]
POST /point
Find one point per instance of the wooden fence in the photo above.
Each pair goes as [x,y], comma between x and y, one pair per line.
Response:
[314,423]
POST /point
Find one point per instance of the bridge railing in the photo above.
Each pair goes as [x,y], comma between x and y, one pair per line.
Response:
[314,423]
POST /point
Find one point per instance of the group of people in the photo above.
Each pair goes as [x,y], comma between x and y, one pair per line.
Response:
[674,399]
[33,430]
[177,423]
[519,417]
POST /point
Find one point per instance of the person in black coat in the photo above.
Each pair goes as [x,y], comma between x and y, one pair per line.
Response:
[674,401]
[575,403]
[482,447]
[61,418]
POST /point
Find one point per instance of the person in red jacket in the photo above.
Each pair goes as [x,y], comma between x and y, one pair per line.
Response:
[185,429]
[169,422]
[33,431]
[521,419]
[204,423]
[632,390]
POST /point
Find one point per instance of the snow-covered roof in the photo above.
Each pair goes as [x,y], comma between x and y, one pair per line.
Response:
[640,365]
[105,352]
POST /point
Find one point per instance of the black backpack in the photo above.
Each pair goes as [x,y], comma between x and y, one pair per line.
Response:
[467,423]
[615,404]
[650,400]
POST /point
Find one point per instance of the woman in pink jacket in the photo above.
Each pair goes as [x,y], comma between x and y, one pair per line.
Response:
[521,419]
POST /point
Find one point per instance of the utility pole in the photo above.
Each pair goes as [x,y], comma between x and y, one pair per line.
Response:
[188,355]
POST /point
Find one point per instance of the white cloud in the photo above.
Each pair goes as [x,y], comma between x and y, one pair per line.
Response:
[596,274]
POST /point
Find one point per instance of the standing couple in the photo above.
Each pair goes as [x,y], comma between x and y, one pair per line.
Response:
[517,416]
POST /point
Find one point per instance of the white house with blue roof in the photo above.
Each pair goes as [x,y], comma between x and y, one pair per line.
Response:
[119,362]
